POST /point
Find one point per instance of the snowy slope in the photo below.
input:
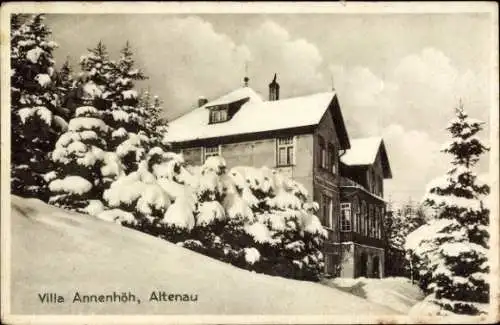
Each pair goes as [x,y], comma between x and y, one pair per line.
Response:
[397,293]
[57,251]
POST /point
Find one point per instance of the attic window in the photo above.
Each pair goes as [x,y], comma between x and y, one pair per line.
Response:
[218,115]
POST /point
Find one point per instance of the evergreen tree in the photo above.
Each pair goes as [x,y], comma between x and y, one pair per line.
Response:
[125,110]
[402,222]
[65,86]
[97,79]
[83,167]
[84,164]
[156,124]
[398,224]
[451,250]
[35,123]
[126,116]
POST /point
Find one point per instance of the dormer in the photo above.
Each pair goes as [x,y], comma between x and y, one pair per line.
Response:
[224,108]
[219,114]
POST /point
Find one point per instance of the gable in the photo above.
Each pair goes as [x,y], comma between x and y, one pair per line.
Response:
[365,152]
[335,114]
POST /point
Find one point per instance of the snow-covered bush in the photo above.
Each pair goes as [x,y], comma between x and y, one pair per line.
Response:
[293,247]
[267,213]
[450,251]
[254,218]
[156,196]
[210,187]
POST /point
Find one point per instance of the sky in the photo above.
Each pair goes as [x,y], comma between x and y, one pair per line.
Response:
[398,76]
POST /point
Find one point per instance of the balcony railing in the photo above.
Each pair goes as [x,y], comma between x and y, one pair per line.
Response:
[361,239]
[344,181]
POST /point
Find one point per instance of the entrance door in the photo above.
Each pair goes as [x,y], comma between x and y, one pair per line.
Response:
[363,260]
[376,267]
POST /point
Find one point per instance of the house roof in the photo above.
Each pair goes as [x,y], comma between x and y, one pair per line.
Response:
[235,95]
[364,151]
[256,115]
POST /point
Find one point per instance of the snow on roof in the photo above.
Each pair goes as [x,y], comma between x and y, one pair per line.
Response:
[254,116]
[363,151]
[236,95]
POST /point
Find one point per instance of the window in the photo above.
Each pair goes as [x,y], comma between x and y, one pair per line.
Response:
[284,151]
[378,232]
[356,210]
[322,153]
[363,218]
[367,223]
[211,152]
[345,217]
[218,115]
[333,159]
[327,211]
[371,224]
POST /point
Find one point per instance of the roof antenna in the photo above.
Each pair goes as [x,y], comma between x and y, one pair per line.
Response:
[331,80]
[246,79]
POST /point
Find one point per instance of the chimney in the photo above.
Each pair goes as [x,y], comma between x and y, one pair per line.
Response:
[274,90]
[202,101]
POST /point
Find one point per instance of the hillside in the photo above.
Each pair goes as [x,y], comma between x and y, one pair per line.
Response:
[56,251]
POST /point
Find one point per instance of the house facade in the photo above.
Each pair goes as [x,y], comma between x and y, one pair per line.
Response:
[303,137]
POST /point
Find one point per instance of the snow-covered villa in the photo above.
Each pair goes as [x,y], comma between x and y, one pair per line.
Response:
[306,138]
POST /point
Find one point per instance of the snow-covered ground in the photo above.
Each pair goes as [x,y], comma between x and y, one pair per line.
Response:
[56,251]
[397,293]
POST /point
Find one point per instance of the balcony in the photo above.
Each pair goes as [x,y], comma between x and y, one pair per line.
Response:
[357,238]
[344,181]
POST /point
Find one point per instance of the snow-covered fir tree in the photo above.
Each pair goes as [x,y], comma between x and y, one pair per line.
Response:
[397,225]
[83,168]
[35,116]
[125,110]
[65,87]
[156,124]
[126,116]
[97,77]
[450,251]
[404,220]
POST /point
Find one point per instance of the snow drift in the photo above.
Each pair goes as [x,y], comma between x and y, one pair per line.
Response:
[396,292]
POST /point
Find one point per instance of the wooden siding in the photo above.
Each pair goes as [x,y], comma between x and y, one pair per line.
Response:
[324,181]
